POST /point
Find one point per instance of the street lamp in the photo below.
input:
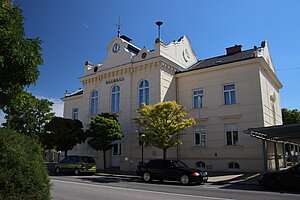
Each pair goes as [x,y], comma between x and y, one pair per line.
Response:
[143,135]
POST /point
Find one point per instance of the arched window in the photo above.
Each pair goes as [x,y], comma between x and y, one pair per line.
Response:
[233,165]
[115,98]
[94,103]
[143,93]
[200,164]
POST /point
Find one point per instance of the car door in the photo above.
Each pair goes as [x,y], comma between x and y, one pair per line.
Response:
[156,169]
[172,172]
[72,164]
[63,165]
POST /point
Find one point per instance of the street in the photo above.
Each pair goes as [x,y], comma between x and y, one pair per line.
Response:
[132,188]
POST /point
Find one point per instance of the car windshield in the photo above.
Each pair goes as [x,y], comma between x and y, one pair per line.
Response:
[179,164]
[88,160]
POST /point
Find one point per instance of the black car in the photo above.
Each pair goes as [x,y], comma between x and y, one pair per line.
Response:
[172,170]
[289,178]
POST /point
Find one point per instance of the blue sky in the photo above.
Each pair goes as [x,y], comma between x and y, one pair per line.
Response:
[75,31]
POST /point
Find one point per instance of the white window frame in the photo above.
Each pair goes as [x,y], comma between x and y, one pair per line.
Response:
[230,92]
[94,103]
[200,130]
[232,129]
[142,89]
[200,98]
[115,99]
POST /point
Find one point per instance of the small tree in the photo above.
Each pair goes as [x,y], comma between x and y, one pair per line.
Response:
[290,116]
[23,174]
[27,114]
[161,123]
[104,129]
[63,134]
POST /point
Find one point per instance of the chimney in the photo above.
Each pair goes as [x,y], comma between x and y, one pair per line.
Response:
[234,49]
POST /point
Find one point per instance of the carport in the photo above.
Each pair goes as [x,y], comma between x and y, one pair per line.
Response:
[285,135]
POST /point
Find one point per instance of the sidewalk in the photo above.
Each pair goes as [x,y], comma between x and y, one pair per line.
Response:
[218,178]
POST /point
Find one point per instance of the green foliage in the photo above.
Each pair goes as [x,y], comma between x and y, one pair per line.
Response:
[104,129]
[23,174]
[27,114]
[19,56]
[290,116]
[161,124]
[63,134]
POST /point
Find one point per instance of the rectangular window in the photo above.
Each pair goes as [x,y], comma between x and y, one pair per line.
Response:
[199,136]
[198,99]
[75,114]
[116,149]
[229,94]
[232,137]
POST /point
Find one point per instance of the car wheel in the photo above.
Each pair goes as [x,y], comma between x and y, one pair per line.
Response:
[76,172]
[272,183]
[57,170]
[185,179]
[147,177]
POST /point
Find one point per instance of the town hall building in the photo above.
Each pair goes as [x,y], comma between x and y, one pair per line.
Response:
[225,94]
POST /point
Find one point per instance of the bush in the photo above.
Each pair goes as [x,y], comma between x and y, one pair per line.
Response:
[23,174]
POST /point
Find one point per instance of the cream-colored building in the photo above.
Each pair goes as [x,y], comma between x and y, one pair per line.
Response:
[226,95]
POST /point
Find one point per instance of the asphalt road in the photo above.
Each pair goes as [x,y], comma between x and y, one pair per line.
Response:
[131,188]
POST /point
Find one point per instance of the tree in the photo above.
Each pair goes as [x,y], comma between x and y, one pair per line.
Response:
[23,174]
[19,56]
[63,134]
[103,130]
[27,114]
[290,116]
[161,123]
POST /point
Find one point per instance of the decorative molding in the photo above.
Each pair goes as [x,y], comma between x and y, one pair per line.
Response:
[230,116]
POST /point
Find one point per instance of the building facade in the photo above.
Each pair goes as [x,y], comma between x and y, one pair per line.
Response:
[226,95]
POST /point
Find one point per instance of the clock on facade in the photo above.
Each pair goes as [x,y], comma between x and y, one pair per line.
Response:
[116,47]
[144,55]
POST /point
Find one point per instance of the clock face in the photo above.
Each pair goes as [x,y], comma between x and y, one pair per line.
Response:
[144,55]
[116,47]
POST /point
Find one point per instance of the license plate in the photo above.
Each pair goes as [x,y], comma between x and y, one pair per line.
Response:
[204,178]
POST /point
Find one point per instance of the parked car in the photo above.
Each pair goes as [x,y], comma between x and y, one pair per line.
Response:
[170,170]
[289,178]
[76,165]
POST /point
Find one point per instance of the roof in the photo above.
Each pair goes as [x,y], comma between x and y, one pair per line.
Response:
[220,60]
[75,93]
[283,133]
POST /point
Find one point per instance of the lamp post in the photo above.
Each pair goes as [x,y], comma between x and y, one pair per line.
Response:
[143,135]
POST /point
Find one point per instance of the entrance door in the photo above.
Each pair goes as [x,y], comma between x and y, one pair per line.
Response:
[116,152]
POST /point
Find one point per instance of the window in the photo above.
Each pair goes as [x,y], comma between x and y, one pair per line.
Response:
[198,99]
[115,98]
[75,113]
[94,103]
[229,94]
[233,165]
[143,93]
[200,164]
[199,136]
[116,149]
[232,137]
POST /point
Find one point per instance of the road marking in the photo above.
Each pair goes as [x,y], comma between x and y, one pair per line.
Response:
[139,190]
